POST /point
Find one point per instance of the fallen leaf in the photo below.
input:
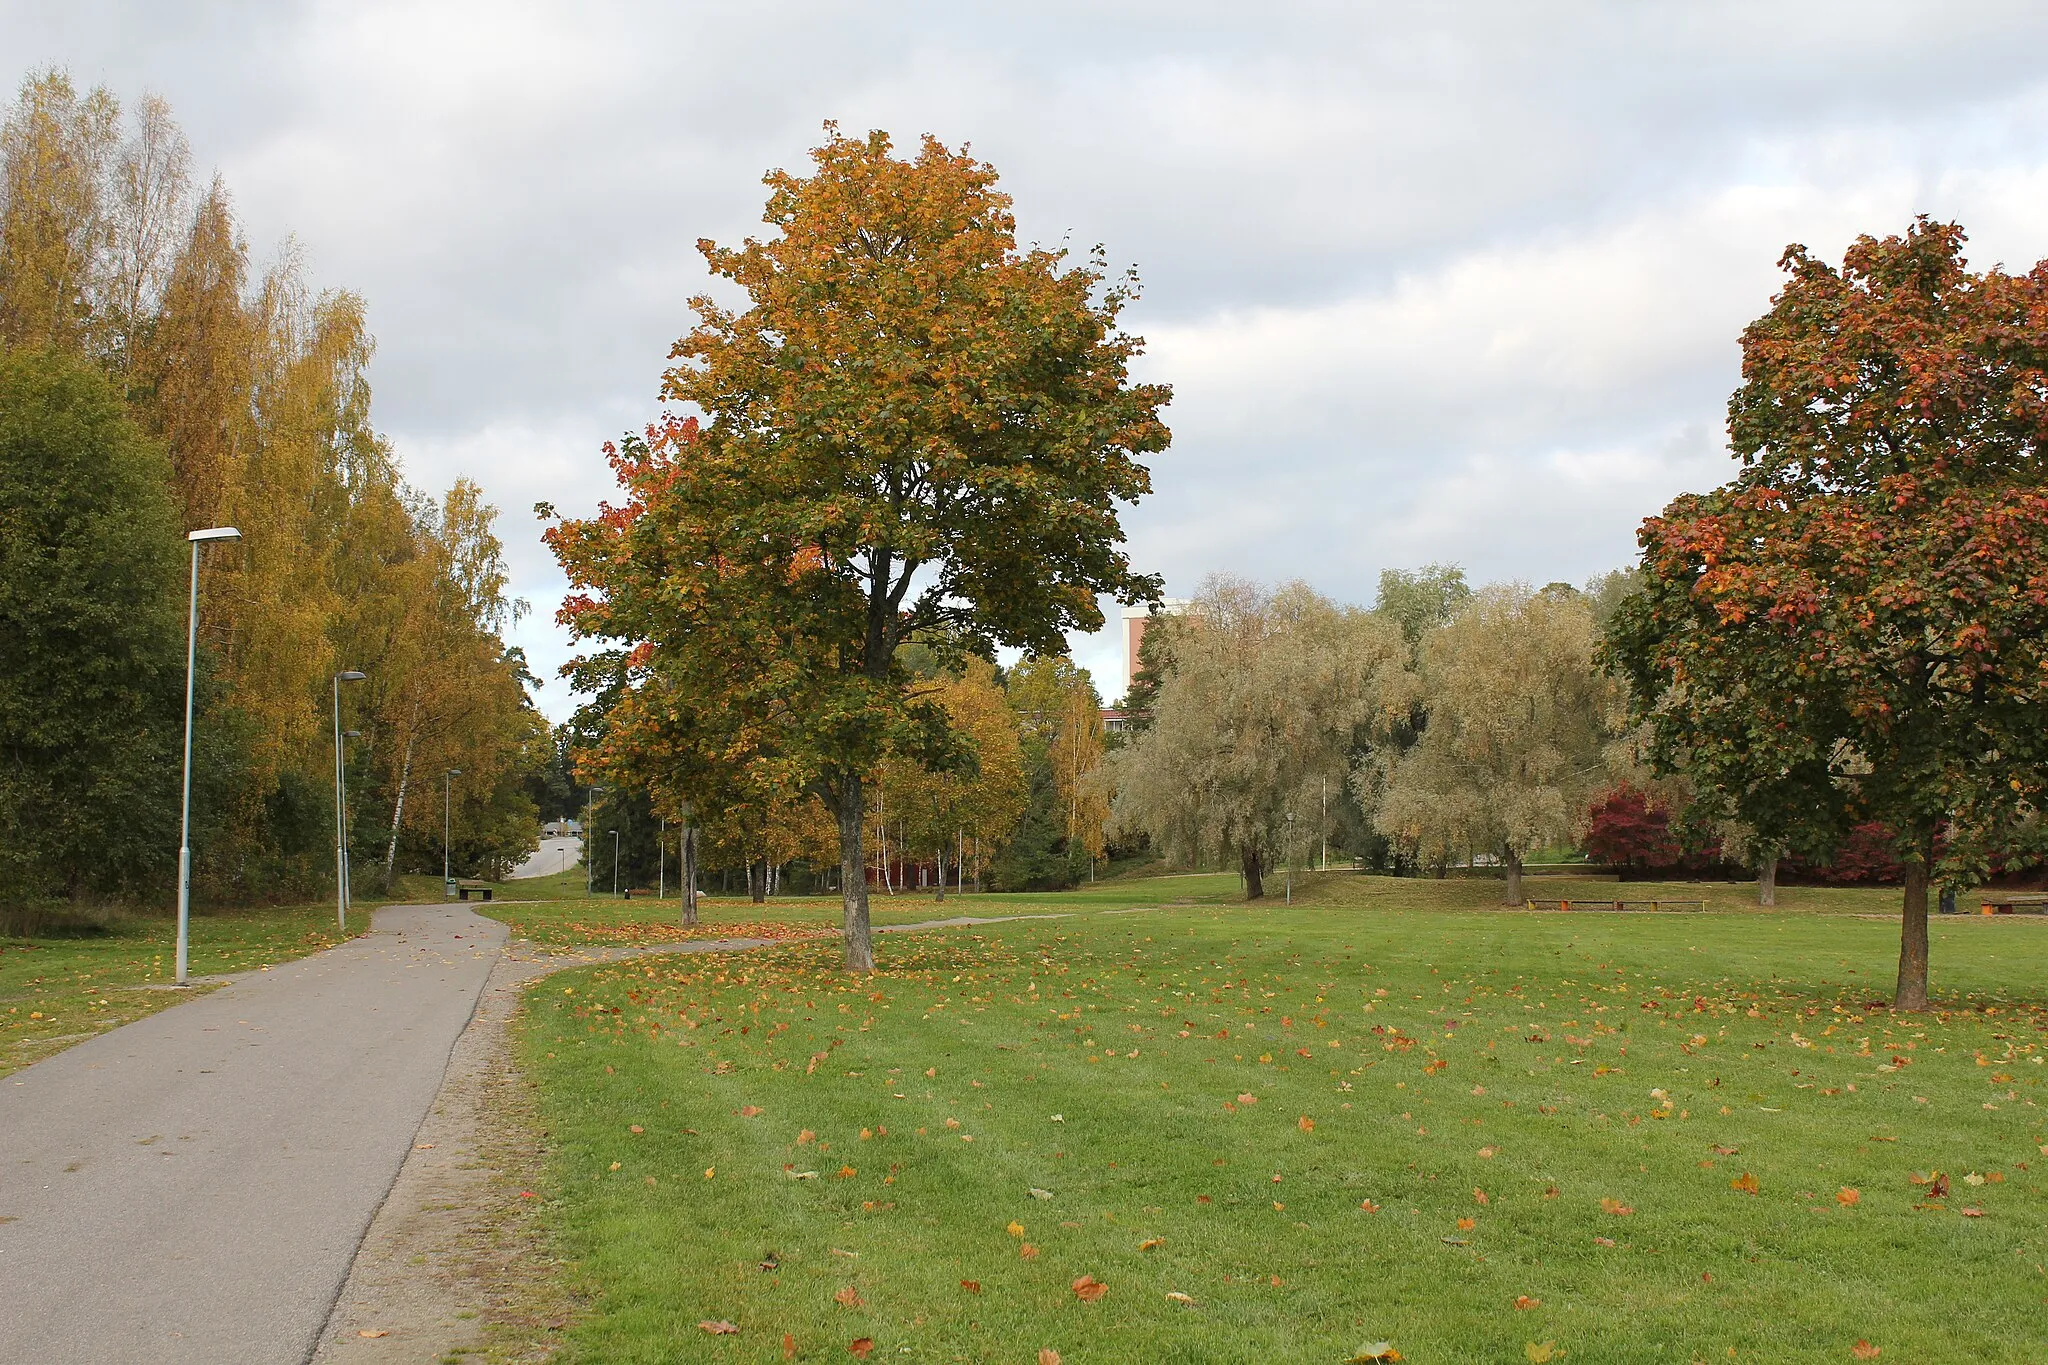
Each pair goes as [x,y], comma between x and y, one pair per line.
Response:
[1973,1179]
[1048,1356]
[1037,1193]
[379,1332]
[1305,1123]
[1016,1229]
[1487,1152]
[861,1346]
[1088,1289]
[423,1146]
[1479,1196]
[1863,1350]
[1848,1198]
[1541,1352]
[1524,1303]
[1726,1151]
[1603,1241]
[1152,1244]
[1972,1212]
[1615,1207]
[847,1173]
[771,1262]
[1373,1351]
[750,1111]
[788,1346]
[848,1297]
[710,1172]
[1179,1297]
[1247,1099]
[971,1286]
[1028,1252]
[1744,1183]
[636,1128]
[1369,1206]
[1940,1190]
[720,1328]
[806,1138]
[1467,1224]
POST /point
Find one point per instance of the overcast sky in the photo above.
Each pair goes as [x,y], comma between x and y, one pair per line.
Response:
[1450,282]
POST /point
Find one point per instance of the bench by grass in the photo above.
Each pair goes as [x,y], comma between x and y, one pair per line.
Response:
[460,887]
[2017,903]
[1614,905]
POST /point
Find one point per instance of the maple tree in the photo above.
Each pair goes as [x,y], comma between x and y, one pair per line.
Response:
[1627,828]
[912,431]
[1857,623]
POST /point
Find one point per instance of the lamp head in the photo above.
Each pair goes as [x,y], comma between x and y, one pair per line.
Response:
[215,533]
[351,734]
[348,675]
[455,772]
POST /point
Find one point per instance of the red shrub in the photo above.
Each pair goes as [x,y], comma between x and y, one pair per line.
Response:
[1628,830]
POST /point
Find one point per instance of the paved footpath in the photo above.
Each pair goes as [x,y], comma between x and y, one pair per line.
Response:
[193,1186]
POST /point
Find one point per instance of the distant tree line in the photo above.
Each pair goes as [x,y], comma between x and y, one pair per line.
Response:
[152,382]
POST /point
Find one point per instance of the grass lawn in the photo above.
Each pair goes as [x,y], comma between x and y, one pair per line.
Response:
[62,989]
[1383,1114]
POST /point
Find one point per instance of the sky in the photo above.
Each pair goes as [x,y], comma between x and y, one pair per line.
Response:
[1459,282]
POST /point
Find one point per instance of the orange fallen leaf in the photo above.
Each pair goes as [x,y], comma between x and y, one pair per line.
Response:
[1152,1244]
[1848,1197]
[971,1286]
[1048,1356]
[1479,1195]
[379,1332]
[1744,1184]
[1369,1206]
[847,1297]
[636,1128]
[1373,1352]
[1016,1229]
[710,1172]
[806,1138]
[1467,1224]
[1603,1241]
[1863,1350]
[1720,1150]
[788,1346]
[1028,1252]
[861,1346]
[1247,1099]
[1488,1152]
[1615,1207]
[1305,1123]
[1971,1212]
[1179,1297]
[719,1328]
[1088,1289]
[750,1111]
[847,1173]
[1523,1303]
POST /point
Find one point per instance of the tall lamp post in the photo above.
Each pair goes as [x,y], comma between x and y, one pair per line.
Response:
[348,858]
[589,869]
[198,538]
[661,862]
[341,808]
[448,777]
[615,862]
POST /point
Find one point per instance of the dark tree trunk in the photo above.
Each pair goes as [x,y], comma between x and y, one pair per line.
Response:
[1254,871]
[1511,893]
[1912,993]
[853,877]
[689,877]
[757,880]
[1767,879]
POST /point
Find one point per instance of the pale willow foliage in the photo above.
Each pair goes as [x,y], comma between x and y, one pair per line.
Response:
[1269,695]
[1514,750]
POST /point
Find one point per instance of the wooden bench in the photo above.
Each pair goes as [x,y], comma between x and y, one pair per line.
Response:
[2017,903]
[643,893]
[460,887]
[1614,905]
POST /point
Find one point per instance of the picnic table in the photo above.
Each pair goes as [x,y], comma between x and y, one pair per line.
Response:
[1614,905]
[2016,903]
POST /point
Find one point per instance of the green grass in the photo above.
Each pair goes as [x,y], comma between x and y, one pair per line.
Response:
[1545,1062]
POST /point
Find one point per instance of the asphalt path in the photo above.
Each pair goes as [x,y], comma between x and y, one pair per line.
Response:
[553,855]
[193,1186]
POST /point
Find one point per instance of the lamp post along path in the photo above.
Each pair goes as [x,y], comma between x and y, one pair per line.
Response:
[448,776]
[340,808]
[197,538]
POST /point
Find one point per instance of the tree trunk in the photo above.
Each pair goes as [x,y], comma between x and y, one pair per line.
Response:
[1254,870]
[689,859]
[1511,894]
[853,879]
[757,880]
[1912,992]
[940,897]
[1767,879]
[398,814]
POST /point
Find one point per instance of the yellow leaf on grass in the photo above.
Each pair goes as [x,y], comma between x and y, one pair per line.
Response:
[1179,1297]
[1016,1229]
[1615,1207]
[710,1172]
[1373,1351]
[1541,1352]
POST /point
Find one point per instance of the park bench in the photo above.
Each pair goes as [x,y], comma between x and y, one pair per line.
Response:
[1614,905]
[460,887]
[643,893]
[2017,903]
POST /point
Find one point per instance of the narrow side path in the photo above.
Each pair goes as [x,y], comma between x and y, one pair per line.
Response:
[193,1186]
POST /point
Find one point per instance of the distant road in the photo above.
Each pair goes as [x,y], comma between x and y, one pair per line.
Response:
[554,855]
[192,1187]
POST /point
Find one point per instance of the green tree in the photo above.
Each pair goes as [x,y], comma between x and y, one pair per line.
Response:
[1860,617]
[1418,601]
[1518,718]
[914,430]
[92,673]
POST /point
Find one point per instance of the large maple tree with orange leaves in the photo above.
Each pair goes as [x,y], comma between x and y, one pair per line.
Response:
[911,429]
[1856,626]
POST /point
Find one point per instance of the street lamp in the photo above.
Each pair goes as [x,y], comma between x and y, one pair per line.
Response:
[447,777]
[1290,857]
[589,814]
[341,808]
[348,861]
[615,862]
[661,862]
[197,538]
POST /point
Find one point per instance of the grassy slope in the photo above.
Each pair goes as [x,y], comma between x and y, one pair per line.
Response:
[1537,1039]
